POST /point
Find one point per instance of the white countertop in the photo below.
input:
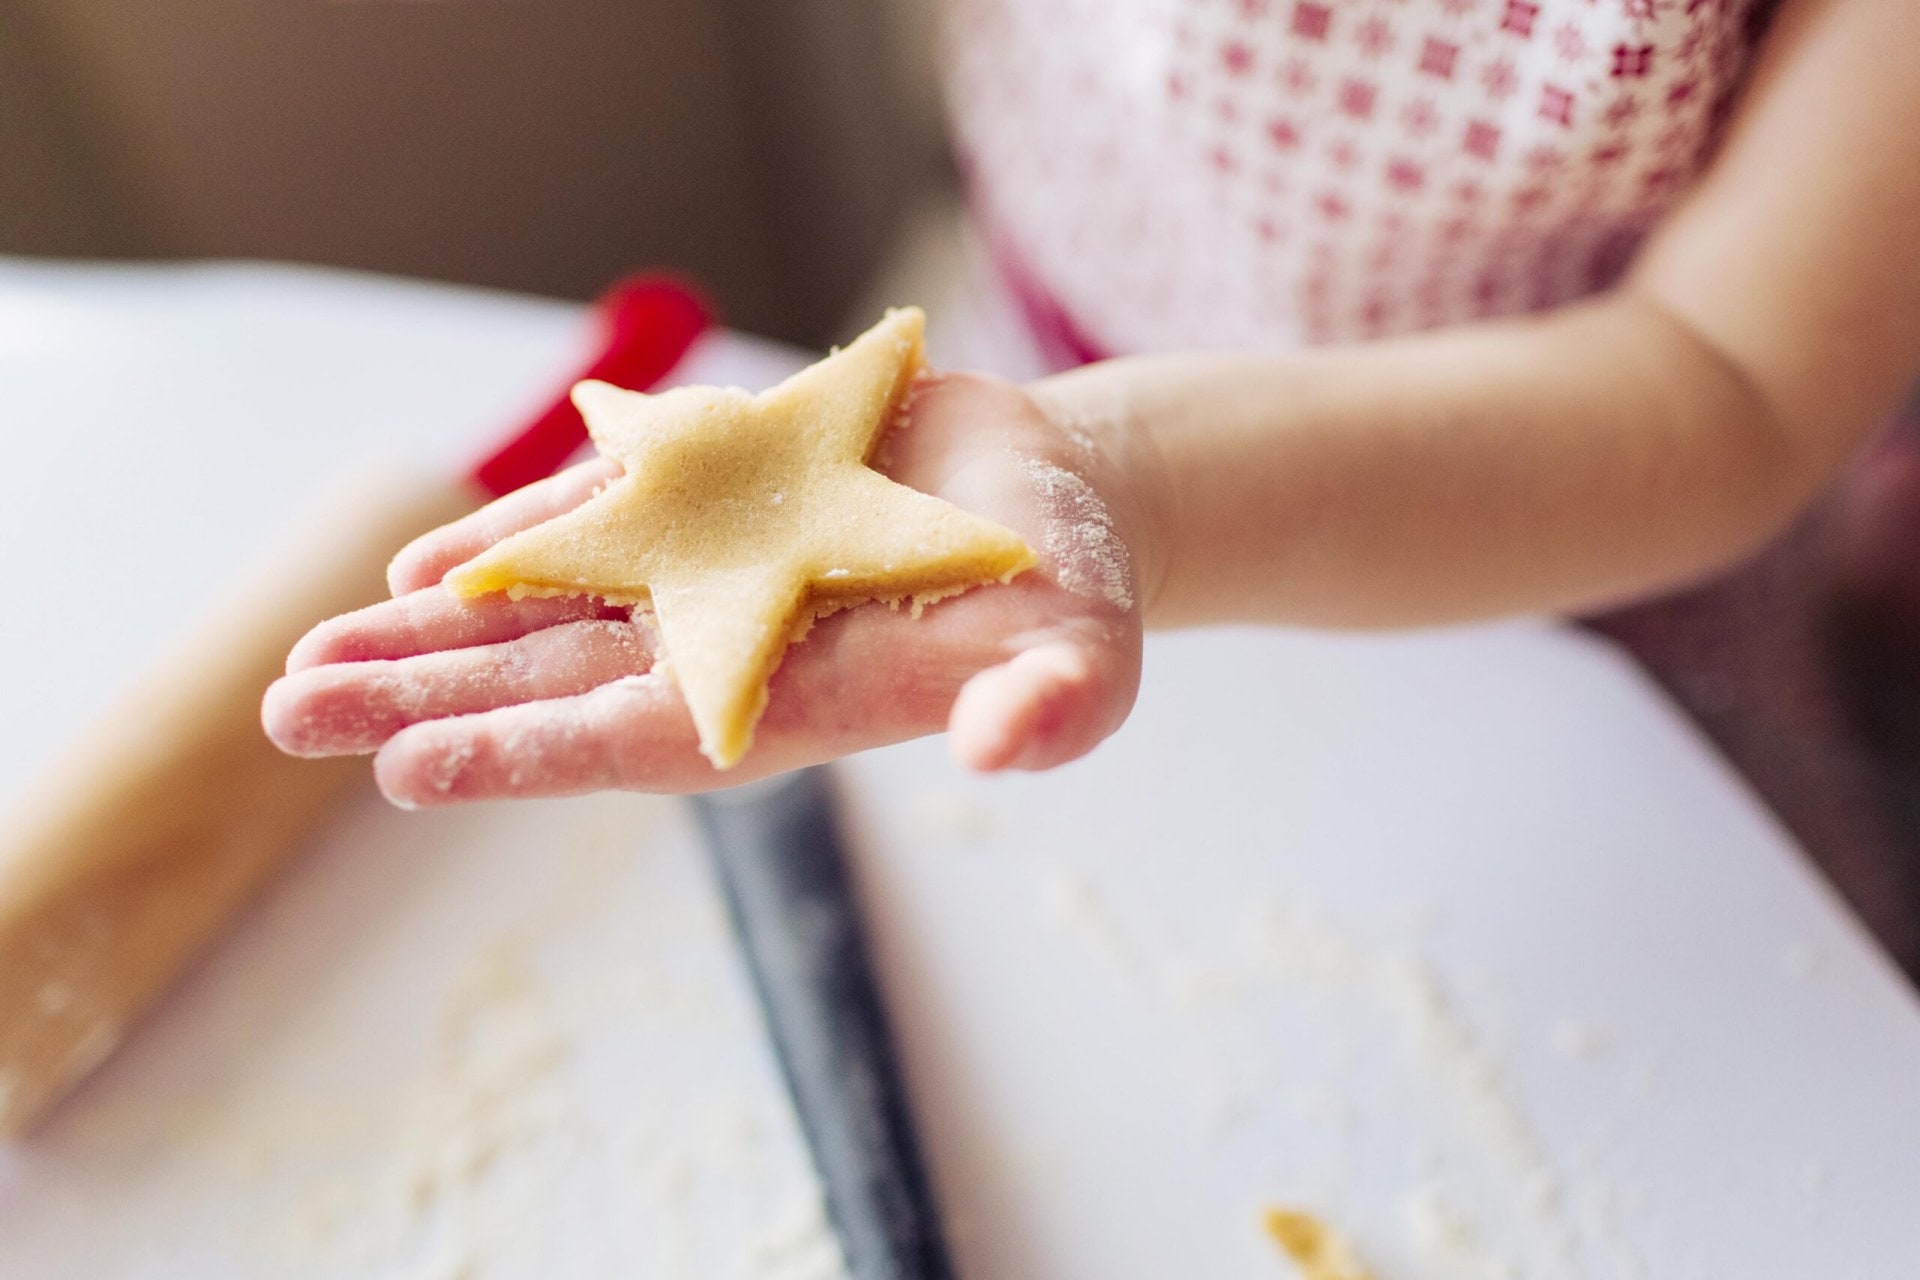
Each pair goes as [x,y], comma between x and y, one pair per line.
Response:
[1462,940]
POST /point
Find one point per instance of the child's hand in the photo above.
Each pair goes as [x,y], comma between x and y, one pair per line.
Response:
[466,699]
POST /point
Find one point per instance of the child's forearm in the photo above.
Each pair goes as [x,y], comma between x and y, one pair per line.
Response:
[1544,464]
[1567,461]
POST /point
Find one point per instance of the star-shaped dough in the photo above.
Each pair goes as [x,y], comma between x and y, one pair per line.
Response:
[742,517]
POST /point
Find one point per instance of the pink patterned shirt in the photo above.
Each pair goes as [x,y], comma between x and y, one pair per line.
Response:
[1269,173]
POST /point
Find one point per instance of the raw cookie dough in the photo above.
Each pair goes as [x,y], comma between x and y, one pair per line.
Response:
[741,518]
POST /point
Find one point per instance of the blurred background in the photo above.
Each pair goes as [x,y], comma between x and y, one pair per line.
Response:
[778,150]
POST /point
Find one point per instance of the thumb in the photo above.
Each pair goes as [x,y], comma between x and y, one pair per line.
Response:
[1048,705]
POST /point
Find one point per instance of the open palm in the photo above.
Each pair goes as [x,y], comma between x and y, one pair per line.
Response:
[472,699]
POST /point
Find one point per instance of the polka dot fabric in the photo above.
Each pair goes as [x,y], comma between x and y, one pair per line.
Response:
[1270,173]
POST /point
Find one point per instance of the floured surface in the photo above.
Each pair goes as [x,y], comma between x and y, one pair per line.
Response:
[508,1042]
[1461,943]
[1470,954]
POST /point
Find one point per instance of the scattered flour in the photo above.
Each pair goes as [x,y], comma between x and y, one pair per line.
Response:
[1072,902]
[1578,1038]
[489,1153]
[494,1087]
[1338,982]
[647,682]
[949,815]
[1447,1238]
[1451,1052]
[798,1243]
[1601,1208]
[446,768]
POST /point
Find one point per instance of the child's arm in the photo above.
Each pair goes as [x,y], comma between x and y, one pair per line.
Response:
[1606,449]
[469,699]
[1533,464]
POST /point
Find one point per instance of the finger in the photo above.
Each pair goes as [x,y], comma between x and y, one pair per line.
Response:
[425,560]
[861,679]
[434,619]
[1050,704]
[633,734]
[351,708]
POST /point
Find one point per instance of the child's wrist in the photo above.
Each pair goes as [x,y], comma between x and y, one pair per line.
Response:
[1121,459]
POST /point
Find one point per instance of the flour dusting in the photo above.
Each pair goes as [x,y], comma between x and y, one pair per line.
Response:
[445,770]
[1089,558]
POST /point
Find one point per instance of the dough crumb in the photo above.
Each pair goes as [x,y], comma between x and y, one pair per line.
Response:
[1317,1249]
